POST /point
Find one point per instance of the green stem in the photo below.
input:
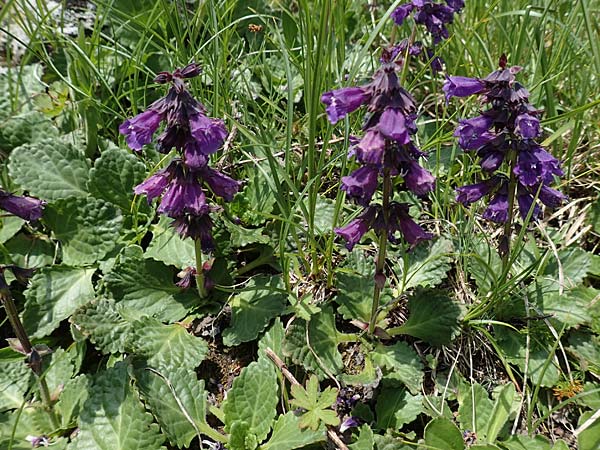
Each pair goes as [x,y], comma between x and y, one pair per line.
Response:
[506,238]
[199,272]
[36,367]
[379,267]
[212,433]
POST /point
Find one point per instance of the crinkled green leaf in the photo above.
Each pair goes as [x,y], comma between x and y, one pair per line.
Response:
[442,434]
[586,348]
[321,349]
[240,436]
[53,295]
[114,418]
[262,299]
[114,176]
[433,317]
[178,401]
[574,265]
[402,363]
[253,398]
[428,264]
[103,325]
[87,228]
[240,236]
[396,407]
[355,295]
[50,169]
[15,378]
[59,366]
[388,442]
[571,307]
[20,83]
[287,434]
[25,128]
[31,251]
[146,288]
[72,399]
[167,246]
[22,423]
[166,347]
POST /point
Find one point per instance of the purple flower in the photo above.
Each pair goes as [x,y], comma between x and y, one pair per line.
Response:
[462,87]
[157,183]
[418,180]
[354,231]
[371,148]
[27,208]
[473,192]
[551,197]
[196,227]
[222,185]
[527,126]
[402,12]
[341,102]
[138,131]
[400,220]
[183,194]
[350,422]
[456,5]
[361,184]
[208,133]
[497,211]
[392,125]
[473,133]
[525,201]
[535,165]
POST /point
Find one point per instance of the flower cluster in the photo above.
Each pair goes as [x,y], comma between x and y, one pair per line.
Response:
[27,208]
[505,132]
[434,16]
[195,137]
[386,149]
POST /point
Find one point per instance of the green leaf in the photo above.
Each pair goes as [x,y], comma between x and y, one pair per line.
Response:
[240,236]
[428,264]
[25,128]
[72,399]
[15,378]
[402,363]
[114,176]
[365,439]
[23,423]
[586,347]
[433,317]
[522,442]
[58,367]
[255,201]
[317,405]
[253,399]
[475,409]
[572,307]
[251,310]
[178,401]
[168,247]
[442,434]
[320,352]
[483,265]
[53,295]
[503,406]
[287,434]
[273,339]
[87,228]
[9,226]
[574,264]
[22,82]
[355,295]
[589,439]
[31,251]
[103,325]
[114,418]
[396,407]
[50,169]
[240,437]
[388,442]
[166,347]
[146,288]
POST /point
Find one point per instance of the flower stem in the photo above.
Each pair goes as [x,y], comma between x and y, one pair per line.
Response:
[512,190]
[35,363]
[380,264]
[199,272]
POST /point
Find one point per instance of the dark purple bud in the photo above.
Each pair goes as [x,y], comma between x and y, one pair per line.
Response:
[341,102]
[155,184]
[462,87]
[27,208]
[418,180]
[497,211]
[186,276]
[380,280]
[350,422]
[456,5]
[473,133]
[491,158]
[21,274]
[193,156]
[527,126]
[392,125]
[535,165]
[371,148]
[208,133]
[196,227]
[190,71]
[354,231]
[473,192]
[361,184]
[138,131]
[163,77]
[183,194]
[400,220]
[401,13]
[222,185]
[551,197]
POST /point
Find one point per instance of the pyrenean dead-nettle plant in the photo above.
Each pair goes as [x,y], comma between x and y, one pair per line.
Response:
[388,161]
[180,185]
[518,170]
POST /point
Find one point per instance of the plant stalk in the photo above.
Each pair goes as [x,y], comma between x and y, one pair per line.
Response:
[199,271]
[505,242]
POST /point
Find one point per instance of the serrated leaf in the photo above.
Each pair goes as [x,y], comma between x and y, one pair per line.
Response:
[251,310]
[574,266]
[178,401]
[114,418]
[72,399]
[114,176]
[166,347]
[571,307]
[320,350]
[53,295]
[15,378]
[287,434]
[32,251]
[442,434]
[103,325]
[21,423]
[402,363]
[240,236]
[168,247]
[475,409]
[50,169]
[87,228]
[25,128]
[146,288]
[396,407]
[355,295]
[272,339]
[428,264]
[433,317]
[253,399]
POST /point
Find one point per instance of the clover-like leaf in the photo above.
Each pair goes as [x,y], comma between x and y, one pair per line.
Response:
[262,299]
[53,295]
[287,434]
[317,405]
[50,169]
[87,228]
